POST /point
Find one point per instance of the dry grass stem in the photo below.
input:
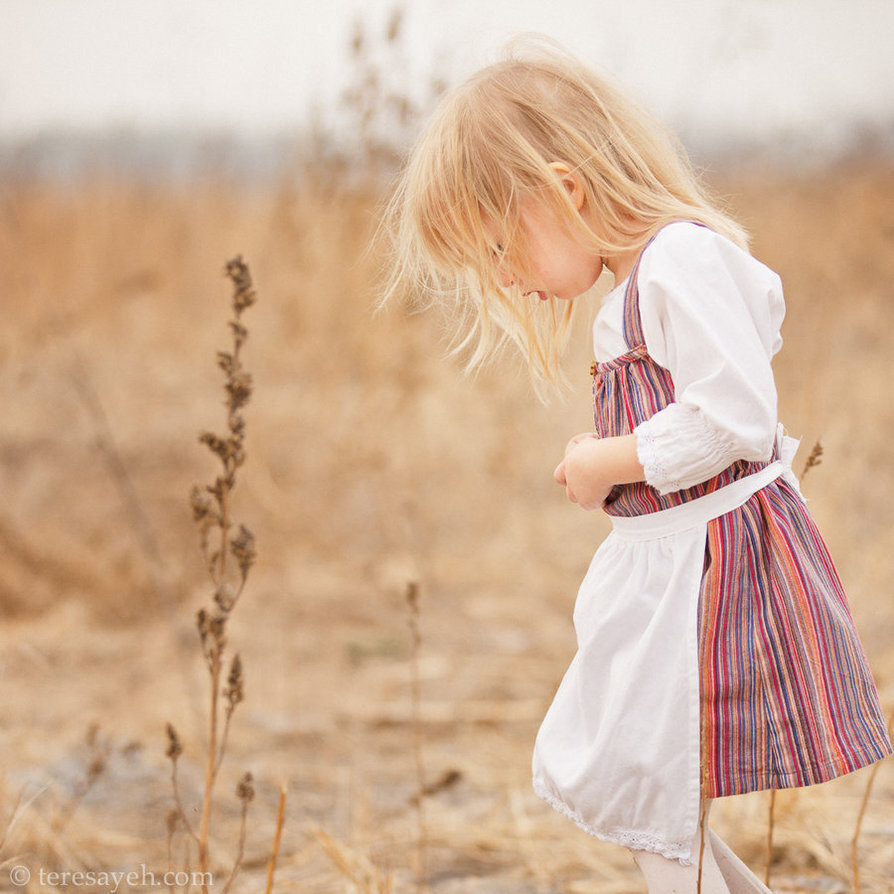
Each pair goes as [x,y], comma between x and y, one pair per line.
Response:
[277,836]
[771,825]
[177,816]
[228,563]
[136,512]
[360,871]
[701,846]
[18,810]
[814,458]
[864,803]
[855,864]
[97,757]
[703,800]
[245,792]
[416,701]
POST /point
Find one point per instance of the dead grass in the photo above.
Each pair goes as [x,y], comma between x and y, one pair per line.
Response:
[373,463]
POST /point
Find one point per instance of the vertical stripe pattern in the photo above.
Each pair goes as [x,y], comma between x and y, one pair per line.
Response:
[787,695]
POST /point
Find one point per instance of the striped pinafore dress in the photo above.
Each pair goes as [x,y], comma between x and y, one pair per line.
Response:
[716,650]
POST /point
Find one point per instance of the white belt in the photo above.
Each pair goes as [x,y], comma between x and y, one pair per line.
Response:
[701,510]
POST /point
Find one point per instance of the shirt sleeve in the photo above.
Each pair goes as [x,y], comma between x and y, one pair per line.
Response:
[710,315]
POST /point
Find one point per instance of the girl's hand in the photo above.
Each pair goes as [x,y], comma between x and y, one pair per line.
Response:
[573,442]
[580,474]
[593,466]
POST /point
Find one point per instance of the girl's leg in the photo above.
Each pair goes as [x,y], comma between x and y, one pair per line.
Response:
[665,876]
[722,871]
[739,878]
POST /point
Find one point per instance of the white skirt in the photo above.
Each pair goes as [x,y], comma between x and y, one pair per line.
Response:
[619,749]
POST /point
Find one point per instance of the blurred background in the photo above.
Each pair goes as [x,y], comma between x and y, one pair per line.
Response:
[142,144]
[728,76]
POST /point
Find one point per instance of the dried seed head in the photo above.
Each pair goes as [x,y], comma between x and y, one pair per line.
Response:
[202,623]
[203,511]
[175,749]
[222,486]
[244,294]
[226,362]
[97,765]
[242,546]
[240,333]
[413,596]
[245,790]
[238,388]
[228,449]
[235,689]
[814,459]
[237,424]
[216,626]
[395,25]
[225,596]
[357,39]
[215,443]
[211,630]
[413,620]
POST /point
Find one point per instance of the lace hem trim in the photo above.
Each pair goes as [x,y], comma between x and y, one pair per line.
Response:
[637,841]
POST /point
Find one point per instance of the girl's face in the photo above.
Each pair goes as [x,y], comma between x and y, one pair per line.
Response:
[557,263]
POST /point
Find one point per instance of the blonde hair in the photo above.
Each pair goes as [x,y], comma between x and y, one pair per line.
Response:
[490,143]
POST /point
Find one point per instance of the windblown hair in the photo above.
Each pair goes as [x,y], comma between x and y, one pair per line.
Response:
[489,145]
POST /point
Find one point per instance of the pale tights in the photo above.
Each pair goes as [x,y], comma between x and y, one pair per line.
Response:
[722,871]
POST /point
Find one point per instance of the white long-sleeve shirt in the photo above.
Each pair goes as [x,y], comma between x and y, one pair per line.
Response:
[711,316]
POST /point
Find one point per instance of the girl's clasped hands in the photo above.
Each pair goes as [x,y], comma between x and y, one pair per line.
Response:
[579,474]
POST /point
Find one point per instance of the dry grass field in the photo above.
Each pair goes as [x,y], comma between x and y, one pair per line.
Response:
[372,462]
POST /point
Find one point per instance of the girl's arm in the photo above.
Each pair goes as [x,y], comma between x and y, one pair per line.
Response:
[711,316]
[593,466]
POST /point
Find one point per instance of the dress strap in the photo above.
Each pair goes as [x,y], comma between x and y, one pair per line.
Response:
[633,327]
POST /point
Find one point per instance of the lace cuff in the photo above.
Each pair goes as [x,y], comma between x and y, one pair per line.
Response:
[679,448]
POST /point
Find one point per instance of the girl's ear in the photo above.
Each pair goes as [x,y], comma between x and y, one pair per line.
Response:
[571,182]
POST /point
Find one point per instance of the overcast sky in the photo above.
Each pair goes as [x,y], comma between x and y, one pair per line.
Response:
[716,70]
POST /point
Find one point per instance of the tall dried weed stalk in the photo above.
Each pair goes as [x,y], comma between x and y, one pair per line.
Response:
[864,803]
[229,553]
[416,712]
[384,101]
[363,875]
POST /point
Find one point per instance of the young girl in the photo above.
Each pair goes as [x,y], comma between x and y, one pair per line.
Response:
[716,653]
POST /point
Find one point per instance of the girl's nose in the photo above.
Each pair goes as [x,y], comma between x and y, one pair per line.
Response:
[504,275]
